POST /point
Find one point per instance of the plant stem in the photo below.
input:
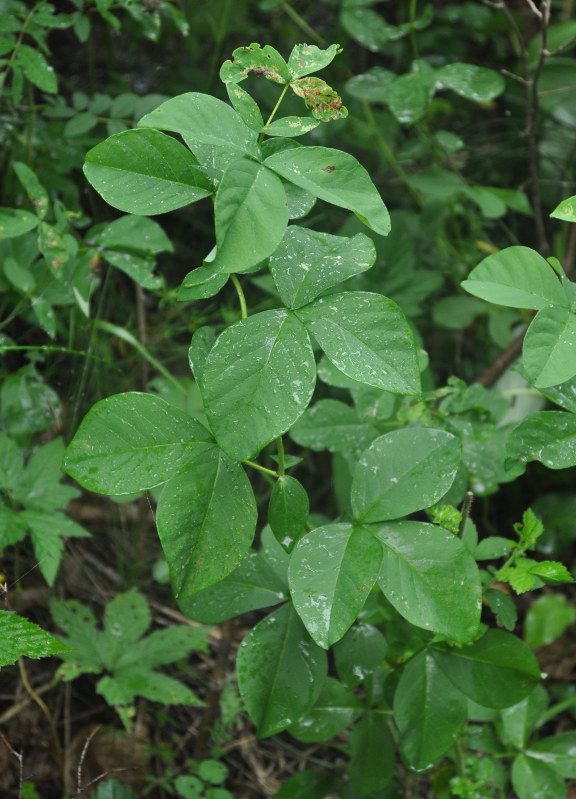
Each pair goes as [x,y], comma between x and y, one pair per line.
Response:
[465,511]
[259,468]
[302,24]
[241,297]
[45,710]
[280,445]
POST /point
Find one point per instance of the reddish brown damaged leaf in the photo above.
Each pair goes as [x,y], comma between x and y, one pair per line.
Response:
[320,98]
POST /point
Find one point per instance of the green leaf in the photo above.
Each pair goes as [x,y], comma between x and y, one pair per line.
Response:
[334,426]
[371,85]
[203,340]
[206,520]
[251,215]
[122,688]
[85,641]
[332,571]
[163,646]
[546,619]
[245,106]
[39,486]
[548,349]
[308,263]
[37,69]
[429,711]
[531,778]
[281,671]
[307,58]
[335,709]
[300,202]
[409,96]
[36,192]
[202,119]
[404,471]
[367,337]
[291,126]
[131,442]
[255,60]
[497,671]
[305,784]
[288,510]
[373,756]
[493,547]
[517,277]
[201,283]
[519,721]
[545,436]
[471,81]
[145,172]
[252,585]
[19,637]
[11,463]
[558,752]
[47,530]
[566,210]
[503,608]
[14,223]
[257,381]
[135,234]
[551,572]
[359,653]
[431,579]
[337,178]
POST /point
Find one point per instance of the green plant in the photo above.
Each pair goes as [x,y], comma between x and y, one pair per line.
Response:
[124,653]
[398,600]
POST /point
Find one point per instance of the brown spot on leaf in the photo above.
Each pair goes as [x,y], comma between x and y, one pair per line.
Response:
[328,168]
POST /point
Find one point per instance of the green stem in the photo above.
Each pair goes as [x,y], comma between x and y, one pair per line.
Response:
[413,42]
[280,445]
[273,114]
[259,468]
[241,297]
[302,24]
[108,327]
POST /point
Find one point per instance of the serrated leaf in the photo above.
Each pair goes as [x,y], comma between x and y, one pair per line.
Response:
[122,688]
[145,172]
[19,637]
[308,263]
[549,346]
[131,442]
[429,711]
[281,671]
[404,471]
[11,462]
[517,277]
[84,639]
[496,671]
[503,607]
[204,120]
[47,531]
[251,216]
[257,381]
[545,436]
[431,579]
[163,646]
[493,547]
[332,571]
[337,178]
[547,618]
[367,337]
[252,585]
[471,81]
[206,520]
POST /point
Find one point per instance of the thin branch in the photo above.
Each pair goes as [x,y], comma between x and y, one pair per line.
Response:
[83,758]
[19,757]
